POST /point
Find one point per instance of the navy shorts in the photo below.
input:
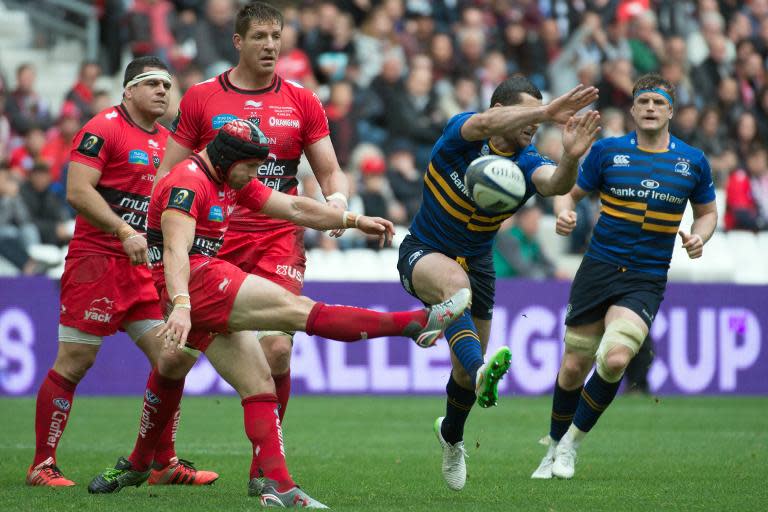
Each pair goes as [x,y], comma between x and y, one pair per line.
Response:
[482,276]
[598,286]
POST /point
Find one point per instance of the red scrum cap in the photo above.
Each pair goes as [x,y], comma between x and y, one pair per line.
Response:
[238,141]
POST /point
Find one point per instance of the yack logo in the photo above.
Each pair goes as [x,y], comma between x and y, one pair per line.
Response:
[62,404]
[100,310]
[621,160]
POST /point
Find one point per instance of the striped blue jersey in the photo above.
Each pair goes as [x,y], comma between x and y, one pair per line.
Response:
[448,220]
[643,195]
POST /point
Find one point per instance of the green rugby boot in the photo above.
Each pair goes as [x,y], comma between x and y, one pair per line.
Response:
[113,479]
[489,375]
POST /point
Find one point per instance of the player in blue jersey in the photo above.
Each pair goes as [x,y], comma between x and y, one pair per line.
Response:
[645,179]
[450,241]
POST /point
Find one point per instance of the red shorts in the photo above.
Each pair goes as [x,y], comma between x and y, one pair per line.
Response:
[100,294]
[277,256]
[213,288]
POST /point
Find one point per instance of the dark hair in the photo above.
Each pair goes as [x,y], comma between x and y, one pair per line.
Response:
[256,11]
[510,91]
[651,81]
[136,67]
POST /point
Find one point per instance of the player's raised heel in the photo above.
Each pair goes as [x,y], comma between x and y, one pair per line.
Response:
[489,375]
[439,317]
[113,479]
[266,490]
[454,459]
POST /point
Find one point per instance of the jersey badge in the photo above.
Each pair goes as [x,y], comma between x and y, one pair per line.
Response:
[222,119]
[181,199]
[137,156]
[90,145]
[216,214]
[621,160]
[156,161]
[111,115]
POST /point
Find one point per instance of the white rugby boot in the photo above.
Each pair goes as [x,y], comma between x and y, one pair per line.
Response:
[544,471]
[454,464]
[564,465]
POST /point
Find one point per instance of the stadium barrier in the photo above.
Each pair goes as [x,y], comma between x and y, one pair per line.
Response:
[709,339]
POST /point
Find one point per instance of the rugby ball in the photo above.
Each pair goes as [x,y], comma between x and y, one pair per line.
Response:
[495,183]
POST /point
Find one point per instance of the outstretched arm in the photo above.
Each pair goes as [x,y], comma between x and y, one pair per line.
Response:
[578,135]
[501,120]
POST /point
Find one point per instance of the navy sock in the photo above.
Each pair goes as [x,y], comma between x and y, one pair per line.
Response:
[596,396]
[464,342]
[457,407]
[564,404]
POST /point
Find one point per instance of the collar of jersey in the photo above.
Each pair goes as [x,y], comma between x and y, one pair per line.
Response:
[500,153]
[227,84]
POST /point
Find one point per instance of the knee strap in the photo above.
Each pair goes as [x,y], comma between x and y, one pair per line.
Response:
[620,332]
[581,343]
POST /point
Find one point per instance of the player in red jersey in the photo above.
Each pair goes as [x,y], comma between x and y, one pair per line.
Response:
[294,121]
[214,306]
[106,284]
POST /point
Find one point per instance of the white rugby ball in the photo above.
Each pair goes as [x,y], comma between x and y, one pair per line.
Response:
[495,183]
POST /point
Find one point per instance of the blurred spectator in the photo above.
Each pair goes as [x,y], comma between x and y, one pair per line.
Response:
[24,157]
[612,41]
[461,97]
[413,114]
[750,74]
[59,141]
[715,67]
[524,54]
[470,51]
[579,51]
[674,73]
[5,131]
[404,177]
[191,75]
[377,199]
[746,206]
[419,29]
[711,138]
[150,28]
[493,72]
[646,43]
[374,40]
[613,123]
[728,101]
[342,120]
[746,135]
[81,94]
[17,232]
[443,57]
[213,37]
[699,43]
[47,210]
[293,63]
[337,52]
[685,122]
[101,101]
[517,251]
[23,105]
[616,85]
[761,112]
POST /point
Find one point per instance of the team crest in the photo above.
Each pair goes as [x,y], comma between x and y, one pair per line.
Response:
[156,161]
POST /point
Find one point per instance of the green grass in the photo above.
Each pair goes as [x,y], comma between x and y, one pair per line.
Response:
[380,454]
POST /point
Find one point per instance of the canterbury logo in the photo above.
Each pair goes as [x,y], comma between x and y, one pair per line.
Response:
[621,160]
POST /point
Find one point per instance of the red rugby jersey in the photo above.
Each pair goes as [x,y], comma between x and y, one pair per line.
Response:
[290,116]
[189,188]
[127,157]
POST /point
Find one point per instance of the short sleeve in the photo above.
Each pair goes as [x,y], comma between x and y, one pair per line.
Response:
[187,196]
[451,138]
[254,195]
[529,162]
[315,119]
[93,144]
[705,188]
[589,173]
[185,128]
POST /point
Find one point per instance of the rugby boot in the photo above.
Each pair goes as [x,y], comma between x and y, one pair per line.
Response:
[181,472]
[564,465]
[489,375]
[266,490]
[47,474]
[113,479]
[544,471]
[454,463]
[439,317]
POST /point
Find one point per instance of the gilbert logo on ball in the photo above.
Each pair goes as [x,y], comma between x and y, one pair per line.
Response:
[495,183]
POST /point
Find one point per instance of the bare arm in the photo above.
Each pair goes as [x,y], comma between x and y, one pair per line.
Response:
[178,235]
[503,120]
[564,209]
[313,214]
[86,200]
[174,153]
[578,136]
[331,178]
[704,224]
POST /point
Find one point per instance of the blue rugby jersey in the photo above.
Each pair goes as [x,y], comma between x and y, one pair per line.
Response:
[643,195]
[448,220]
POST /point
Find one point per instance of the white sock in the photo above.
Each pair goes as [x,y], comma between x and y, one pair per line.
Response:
[574,436]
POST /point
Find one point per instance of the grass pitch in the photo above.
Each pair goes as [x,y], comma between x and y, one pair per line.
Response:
[367,453]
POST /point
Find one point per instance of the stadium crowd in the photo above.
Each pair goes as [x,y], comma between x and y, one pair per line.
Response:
[392,72]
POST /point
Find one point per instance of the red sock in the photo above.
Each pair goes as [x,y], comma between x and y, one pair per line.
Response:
[161,401]
[262,426]
[283,392]
[347,323]
[54,403]
[166,447]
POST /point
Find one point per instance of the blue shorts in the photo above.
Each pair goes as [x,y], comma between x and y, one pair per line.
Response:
[598,286]
[482,276]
